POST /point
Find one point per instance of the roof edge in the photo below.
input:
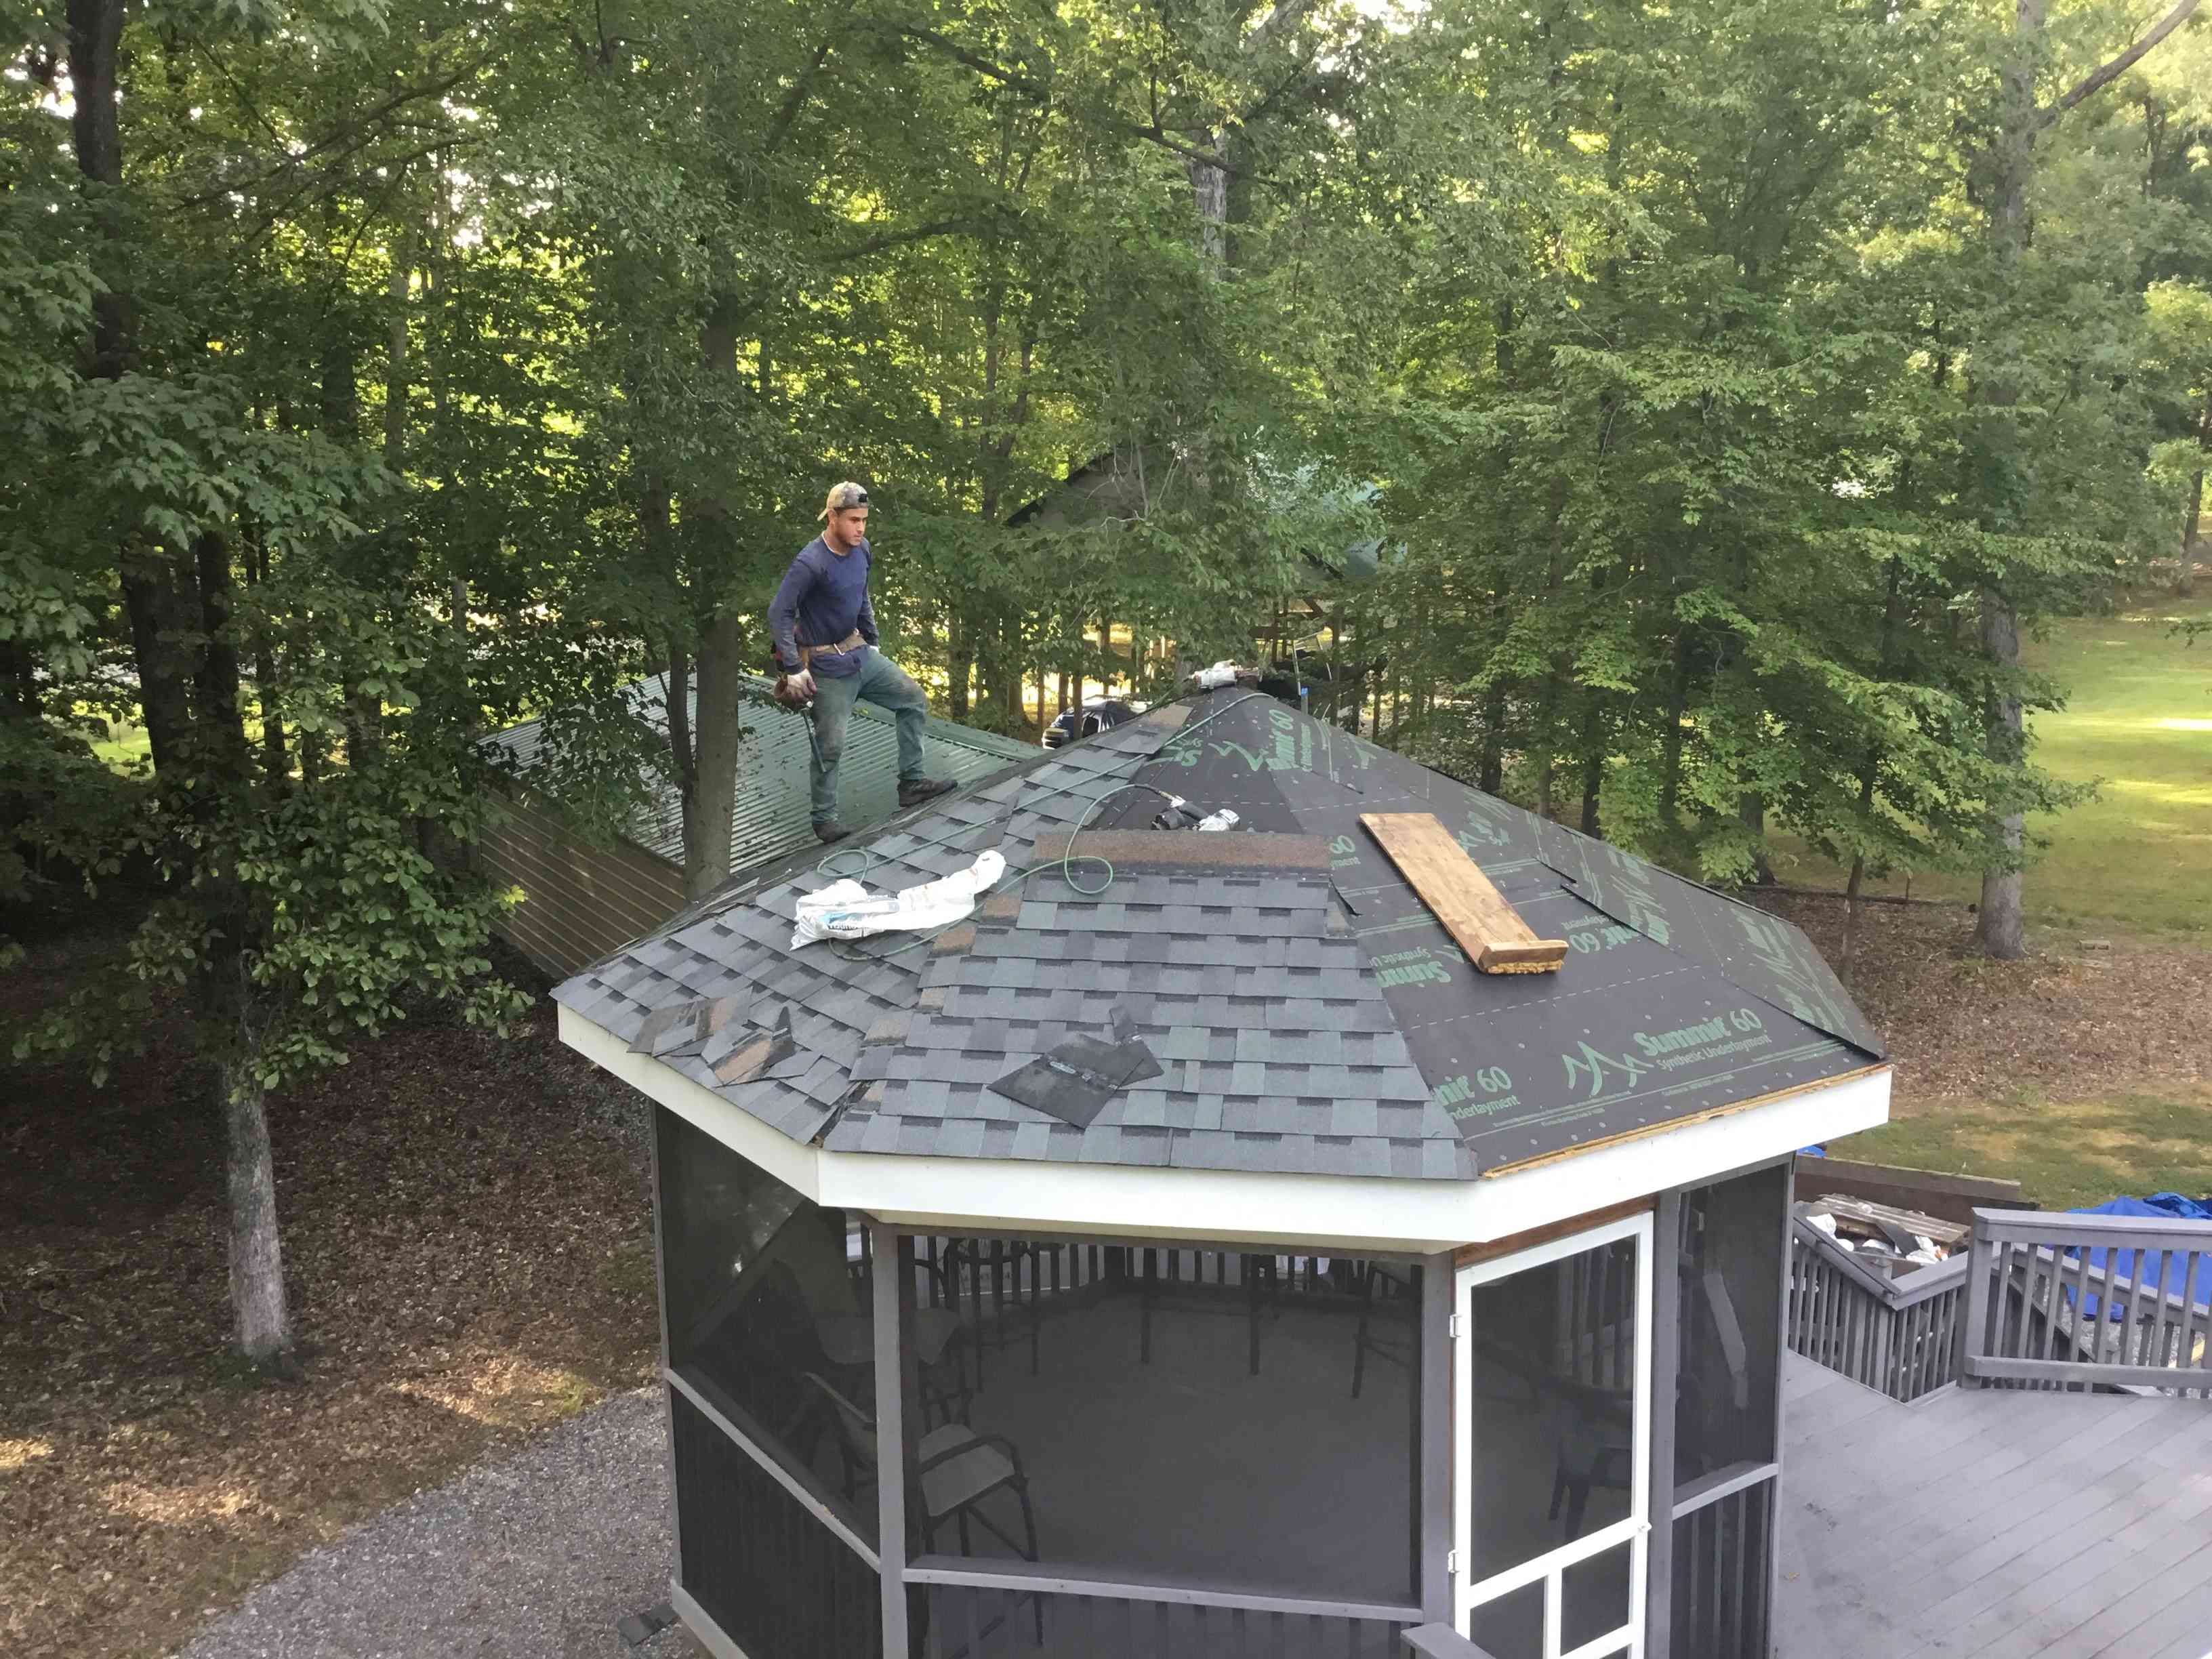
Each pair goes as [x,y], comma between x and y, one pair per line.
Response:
[1396,1212]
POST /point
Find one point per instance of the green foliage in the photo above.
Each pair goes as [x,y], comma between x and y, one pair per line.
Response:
[501,358]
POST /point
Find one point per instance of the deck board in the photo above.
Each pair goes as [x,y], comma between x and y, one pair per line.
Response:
[1993,1524]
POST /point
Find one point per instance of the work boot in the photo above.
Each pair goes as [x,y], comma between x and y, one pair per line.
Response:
[831,830]
[912,791]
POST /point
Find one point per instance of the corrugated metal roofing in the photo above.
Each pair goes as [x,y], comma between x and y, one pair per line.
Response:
[774,816]
[1303,1019]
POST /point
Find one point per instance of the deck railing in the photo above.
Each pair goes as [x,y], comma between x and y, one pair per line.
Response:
[2089,1300]
[1897,1336]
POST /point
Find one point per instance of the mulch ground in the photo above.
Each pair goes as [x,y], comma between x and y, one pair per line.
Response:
[466,1230]
[2068,1020]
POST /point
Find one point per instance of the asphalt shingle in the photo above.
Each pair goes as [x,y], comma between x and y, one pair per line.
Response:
[1302,1019]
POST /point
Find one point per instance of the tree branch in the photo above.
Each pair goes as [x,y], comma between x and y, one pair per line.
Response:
[1151,132]
[794,101]
[2101,78]
[349,136]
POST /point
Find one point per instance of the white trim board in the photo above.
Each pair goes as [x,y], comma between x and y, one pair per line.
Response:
[1344,1211]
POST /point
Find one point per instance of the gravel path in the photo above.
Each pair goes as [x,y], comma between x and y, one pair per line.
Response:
[535,1557]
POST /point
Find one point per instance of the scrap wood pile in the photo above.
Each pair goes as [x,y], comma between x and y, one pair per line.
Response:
[1891,1239]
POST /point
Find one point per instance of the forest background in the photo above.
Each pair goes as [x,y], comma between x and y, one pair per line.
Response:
[1728,387]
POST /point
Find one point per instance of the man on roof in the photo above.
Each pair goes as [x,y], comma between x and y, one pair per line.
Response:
[824,634]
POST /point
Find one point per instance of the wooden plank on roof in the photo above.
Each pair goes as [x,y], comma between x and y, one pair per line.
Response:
[1474,912]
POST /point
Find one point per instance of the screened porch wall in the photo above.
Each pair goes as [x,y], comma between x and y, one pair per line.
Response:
[1248,1418]
[1717,1397]
[1170,1448]
[761,1291]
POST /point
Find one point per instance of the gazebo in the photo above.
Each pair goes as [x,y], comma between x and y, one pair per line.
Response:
[1363,1230]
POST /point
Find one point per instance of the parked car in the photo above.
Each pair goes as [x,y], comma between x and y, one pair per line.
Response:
[1093,717]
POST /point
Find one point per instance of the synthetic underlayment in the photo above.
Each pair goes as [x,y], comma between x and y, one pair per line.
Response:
[1303,1009]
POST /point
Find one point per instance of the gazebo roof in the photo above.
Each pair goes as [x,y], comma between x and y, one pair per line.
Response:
[1294,1006]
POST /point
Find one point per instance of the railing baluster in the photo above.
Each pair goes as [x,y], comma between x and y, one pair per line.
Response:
[2184,1315]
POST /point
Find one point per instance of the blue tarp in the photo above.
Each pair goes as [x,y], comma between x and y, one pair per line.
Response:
[2163,1206]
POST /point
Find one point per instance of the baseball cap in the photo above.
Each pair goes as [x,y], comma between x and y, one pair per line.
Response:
[843,498]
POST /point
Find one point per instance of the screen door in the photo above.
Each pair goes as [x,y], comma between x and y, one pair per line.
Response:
[1552,1425]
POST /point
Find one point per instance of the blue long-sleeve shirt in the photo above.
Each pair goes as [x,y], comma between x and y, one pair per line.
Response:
[824,597]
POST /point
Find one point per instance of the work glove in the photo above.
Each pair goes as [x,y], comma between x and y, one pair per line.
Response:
[803,682]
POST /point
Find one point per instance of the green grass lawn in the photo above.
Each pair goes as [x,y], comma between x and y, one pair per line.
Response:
[124,746]
[2138,723]
[2062,1153]
[2134,866]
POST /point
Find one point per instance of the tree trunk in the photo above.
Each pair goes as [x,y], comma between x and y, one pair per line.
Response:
[395,367]
[155,605]
[276,766]
[720,732]
[339,404]
[221,727]
[1670,772]
[717,725]
[261,1315]
[1490,779]
[19,682]
[1209,191]
[2186,580]
[1851,917]
[960,665]
[1751,812]
[2000,930]
[1593,764]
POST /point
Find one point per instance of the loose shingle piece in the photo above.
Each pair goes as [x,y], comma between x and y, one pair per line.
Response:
[1272,999]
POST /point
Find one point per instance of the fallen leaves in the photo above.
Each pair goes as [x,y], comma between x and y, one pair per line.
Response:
[467,1235]
[1960,1026]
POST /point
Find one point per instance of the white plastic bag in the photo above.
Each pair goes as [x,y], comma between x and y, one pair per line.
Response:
[845,909]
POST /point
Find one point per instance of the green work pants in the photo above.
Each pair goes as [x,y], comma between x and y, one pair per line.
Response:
[882,682]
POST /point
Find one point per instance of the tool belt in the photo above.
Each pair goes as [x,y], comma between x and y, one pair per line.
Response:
[786,694]
[852,642]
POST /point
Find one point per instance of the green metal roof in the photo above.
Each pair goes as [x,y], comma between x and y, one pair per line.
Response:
[774,816]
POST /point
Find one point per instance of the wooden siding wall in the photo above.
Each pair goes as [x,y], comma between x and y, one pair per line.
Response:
[584,902]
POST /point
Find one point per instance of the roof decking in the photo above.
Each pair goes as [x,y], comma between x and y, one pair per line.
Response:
[1302,1019]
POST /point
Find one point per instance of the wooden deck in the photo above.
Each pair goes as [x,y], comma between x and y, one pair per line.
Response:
[1993,1523]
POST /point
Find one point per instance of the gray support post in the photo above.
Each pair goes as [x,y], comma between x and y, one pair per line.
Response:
[1434,1527]
[1665,1366]
[1781,1399]
[891,1283]
[1981,1262]
[667,1393]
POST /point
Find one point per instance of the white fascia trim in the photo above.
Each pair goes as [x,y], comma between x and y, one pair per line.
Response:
[1342,1210]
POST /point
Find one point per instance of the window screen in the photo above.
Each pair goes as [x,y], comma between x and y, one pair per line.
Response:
[1552,1387]
[1733,1237]
[768,1303]
[1244,1419]
[772,1576]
